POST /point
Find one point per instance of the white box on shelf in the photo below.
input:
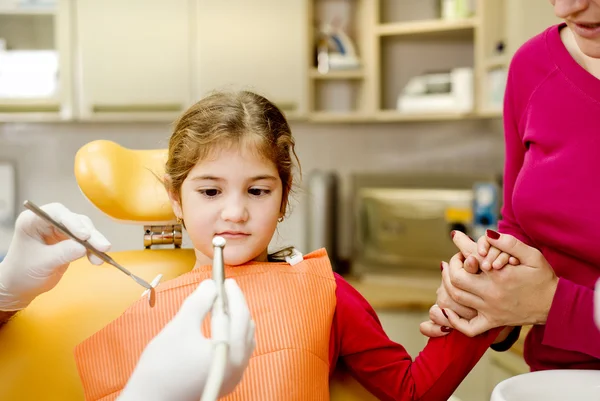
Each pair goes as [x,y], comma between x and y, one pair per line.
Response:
[28,73]
[439,93]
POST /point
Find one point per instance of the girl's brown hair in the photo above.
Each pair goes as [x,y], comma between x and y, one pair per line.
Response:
[231,118]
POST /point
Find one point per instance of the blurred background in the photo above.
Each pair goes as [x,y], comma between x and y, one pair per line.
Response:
[396,107]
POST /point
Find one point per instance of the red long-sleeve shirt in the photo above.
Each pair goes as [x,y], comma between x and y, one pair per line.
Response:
[384,367]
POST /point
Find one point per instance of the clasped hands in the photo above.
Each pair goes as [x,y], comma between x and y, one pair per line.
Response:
[498,281]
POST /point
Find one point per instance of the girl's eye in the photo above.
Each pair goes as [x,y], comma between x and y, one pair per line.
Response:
[209,193]
[259,191]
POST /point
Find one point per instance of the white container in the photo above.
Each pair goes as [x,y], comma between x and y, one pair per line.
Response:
[550,385]
[459,99]
[449,9]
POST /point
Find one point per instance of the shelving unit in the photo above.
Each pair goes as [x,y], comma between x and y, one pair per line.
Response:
[398,40]
[28,11]
[395,41]
[434,26]
[29,31]
[496,62]
[340,74]
[339,94]
[339,117]
[394,116]
[388,33]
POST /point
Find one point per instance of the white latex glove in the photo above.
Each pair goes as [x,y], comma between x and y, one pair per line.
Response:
[175,364]
[39,254]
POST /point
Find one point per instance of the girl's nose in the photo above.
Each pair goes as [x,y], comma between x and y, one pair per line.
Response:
[235,211]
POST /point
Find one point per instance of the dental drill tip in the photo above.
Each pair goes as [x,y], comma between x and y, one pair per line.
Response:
[218,241]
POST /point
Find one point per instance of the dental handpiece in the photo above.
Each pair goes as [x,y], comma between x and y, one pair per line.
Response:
[219,326]
[218,275]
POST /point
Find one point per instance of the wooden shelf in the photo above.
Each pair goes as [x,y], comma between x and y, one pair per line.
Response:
[25,105]
[295,116]
[425,27]
[496,62]
[393,115]
[338,117]
[27,11]
[396,116]
[490,113]
[32,110]
[337,74]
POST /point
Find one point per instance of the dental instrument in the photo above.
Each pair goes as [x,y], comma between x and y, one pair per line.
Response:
[101,255]
[219,325]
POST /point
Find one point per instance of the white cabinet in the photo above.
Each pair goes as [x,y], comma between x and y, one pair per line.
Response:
[257,45]
[35,61]
[133,58]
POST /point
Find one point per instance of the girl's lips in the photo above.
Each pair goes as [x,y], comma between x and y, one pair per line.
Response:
[587,30]
[233,235]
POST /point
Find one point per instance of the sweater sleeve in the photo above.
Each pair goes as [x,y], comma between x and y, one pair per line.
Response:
[385,368]
[570,325]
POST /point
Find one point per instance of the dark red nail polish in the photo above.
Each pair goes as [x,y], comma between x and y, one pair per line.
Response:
[452,233]
[446,329]
[445,314]
[492,234]
[441,266]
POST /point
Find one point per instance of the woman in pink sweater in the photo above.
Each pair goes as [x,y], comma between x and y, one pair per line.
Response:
[551,218]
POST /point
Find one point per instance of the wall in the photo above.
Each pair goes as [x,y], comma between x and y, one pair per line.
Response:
[44,154]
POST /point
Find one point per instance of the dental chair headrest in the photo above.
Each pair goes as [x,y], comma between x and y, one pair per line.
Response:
[123,182]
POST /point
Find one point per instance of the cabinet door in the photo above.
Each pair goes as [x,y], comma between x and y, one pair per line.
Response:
[258,45]
[134,58]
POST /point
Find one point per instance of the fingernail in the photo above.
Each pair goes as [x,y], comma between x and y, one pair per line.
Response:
[445,314]
[441,266]
[452,233]
[446,329]
[492,234]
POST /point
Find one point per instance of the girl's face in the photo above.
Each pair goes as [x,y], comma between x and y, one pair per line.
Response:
[236,194]
[583,18]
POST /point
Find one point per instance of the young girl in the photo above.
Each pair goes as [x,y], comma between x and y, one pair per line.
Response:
[230,173]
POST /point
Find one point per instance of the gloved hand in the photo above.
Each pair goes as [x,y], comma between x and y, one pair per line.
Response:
[39,254]
[175,364]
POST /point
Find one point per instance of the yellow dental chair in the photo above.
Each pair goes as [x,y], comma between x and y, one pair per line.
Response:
[36,345]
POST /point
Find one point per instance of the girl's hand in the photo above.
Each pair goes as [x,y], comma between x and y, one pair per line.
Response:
[493,258]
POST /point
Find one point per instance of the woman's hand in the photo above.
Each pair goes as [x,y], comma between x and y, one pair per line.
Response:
[513,296]
[439,325]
